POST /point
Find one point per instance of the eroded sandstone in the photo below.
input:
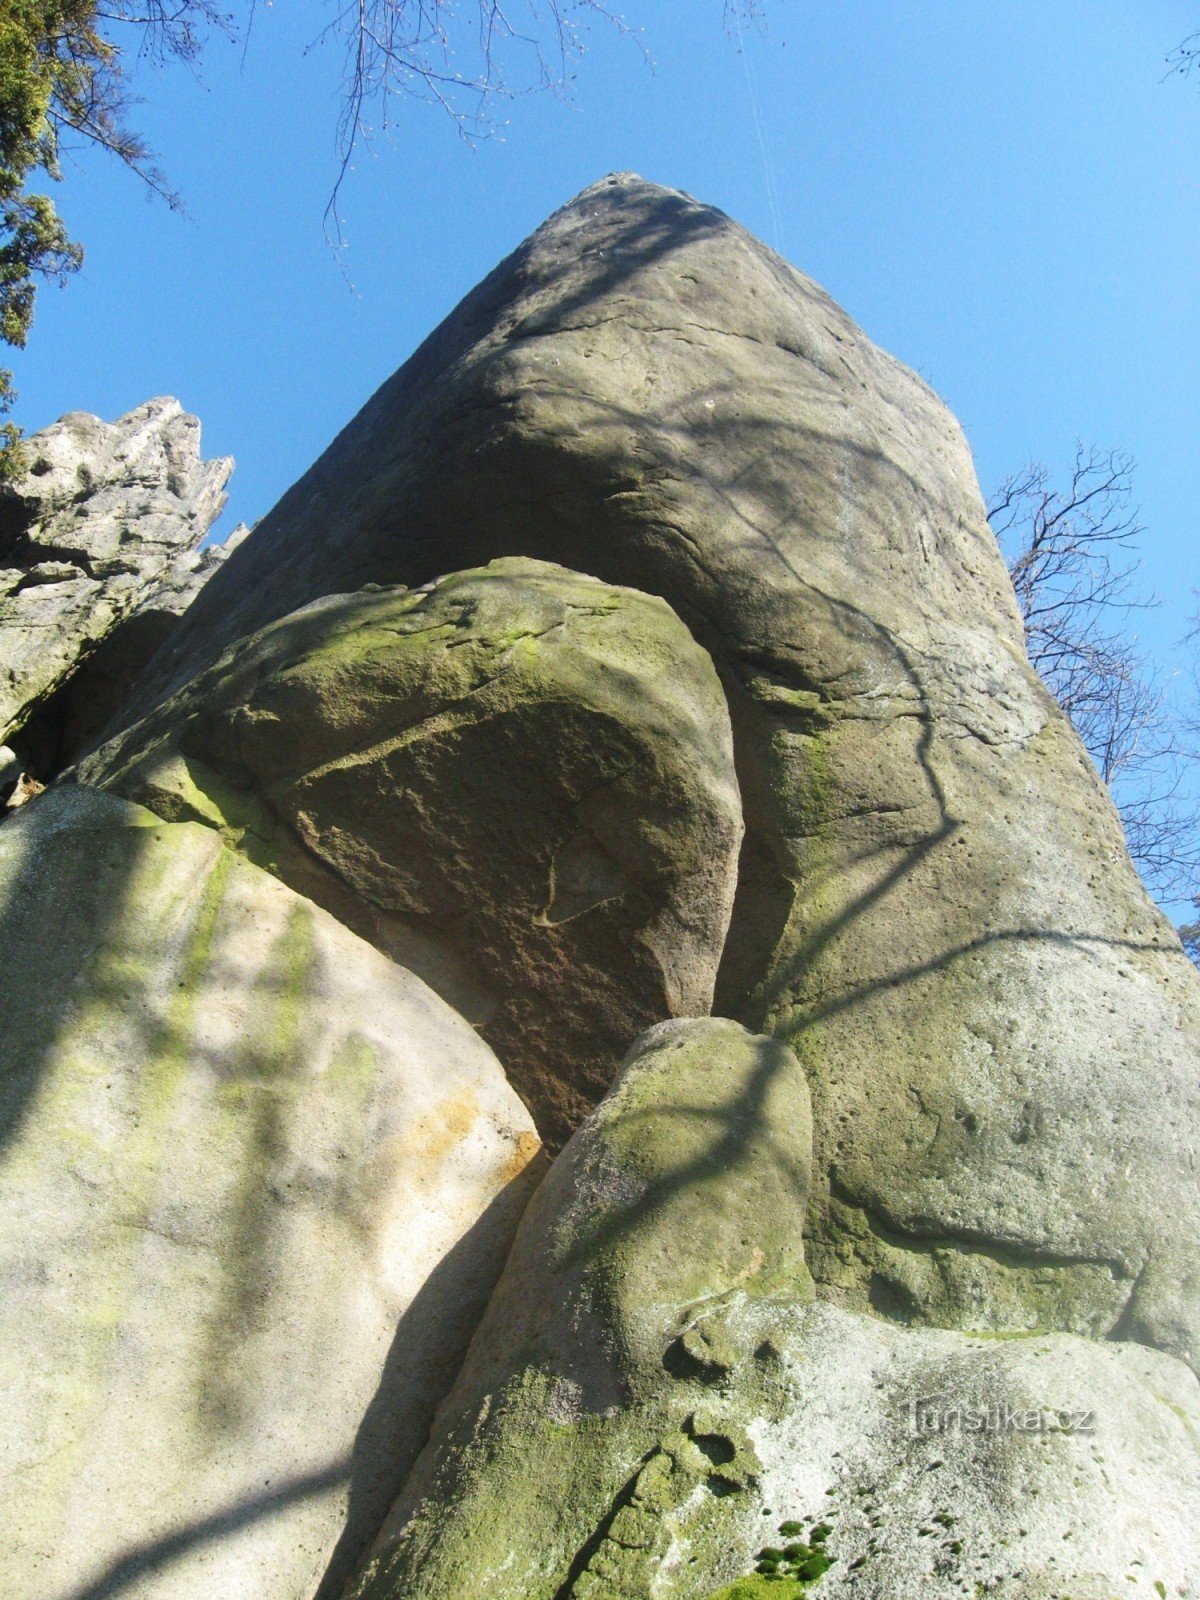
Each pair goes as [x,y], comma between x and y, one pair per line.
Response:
[936,907]
[107,521]
[256,1183]
[517,780]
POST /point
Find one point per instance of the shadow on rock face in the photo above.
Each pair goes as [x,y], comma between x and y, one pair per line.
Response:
[724,534]
[936,906]
[517,780]
[243,1155]
[606,1347]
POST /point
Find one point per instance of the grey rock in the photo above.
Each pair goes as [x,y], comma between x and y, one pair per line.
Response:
[256,1183]
[187,574]
[936,906]
[654,1401]
[584,1391]
[106,514]
[518,780]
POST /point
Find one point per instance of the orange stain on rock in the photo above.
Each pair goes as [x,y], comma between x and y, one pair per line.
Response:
[447,1125]
[528,1146]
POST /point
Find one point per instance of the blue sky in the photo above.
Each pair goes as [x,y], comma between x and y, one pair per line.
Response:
[1006,196]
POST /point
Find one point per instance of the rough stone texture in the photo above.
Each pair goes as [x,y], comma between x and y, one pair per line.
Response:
[71,719]
[1035,1467]
[519,781]
[183,580]
[935,906]
[566,1438]
[255,1181]
[107,514]
[653,1401]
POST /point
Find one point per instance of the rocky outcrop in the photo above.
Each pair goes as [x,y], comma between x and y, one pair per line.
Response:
[106,523]
[256,1182]
[517,780]
[935,904]
[883,1278]
[654,1406]
[680,1198]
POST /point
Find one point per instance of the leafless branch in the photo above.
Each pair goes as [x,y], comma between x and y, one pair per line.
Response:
[1072,561]
[464,56]
[1185,58]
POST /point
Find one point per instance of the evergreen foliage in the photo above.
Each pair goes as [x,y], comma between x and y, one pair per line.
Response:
[59,75]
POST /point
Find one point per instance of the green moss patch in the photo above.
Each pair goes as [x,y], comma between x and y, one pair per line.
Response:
[757,1587]
[787,1570]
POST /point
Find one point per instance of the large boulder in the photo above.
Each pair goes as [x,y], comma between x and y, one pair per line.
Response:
[105,523]
[256,1183]
[935,906]
[654,1405]
[517,779]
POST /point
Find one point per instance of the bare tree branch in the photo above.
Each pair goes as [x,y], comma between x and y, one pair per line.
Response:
[1072,561]
[463,56]
[1185,58]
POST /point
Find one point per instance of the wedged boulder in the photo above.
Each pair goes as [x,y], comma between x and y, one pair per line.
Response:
[518,780]
[108,516]
[588,1417]
[256,1183]
[936,907]
[654,1405]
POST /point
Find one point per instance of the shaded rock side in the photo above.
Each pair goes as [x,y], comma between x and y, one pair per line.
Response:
[71,719]
[255,1182]
[107,514]
[588,1415]
[936,906]
[654,1405]
[518,781]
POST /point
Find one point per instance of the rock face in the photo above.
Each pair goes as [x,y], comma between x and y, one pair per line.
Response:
[108,514]
[681,1197]
[518,780]
[653,1404]
[884,1278]
[935,905]
[256,1182]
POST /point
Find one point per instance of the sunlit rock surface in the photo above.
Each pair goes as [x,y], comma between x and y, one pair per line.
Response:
[108,518]
[935,908]
[654,1406]
[519,779]
[932,1160]
[255,1185]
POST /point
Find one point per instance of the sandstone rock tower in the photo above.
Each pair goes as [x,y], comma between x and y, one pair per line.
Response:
[621,738]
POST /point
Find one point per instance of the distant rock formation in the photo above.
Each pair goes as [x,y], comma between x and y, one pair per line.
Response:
[99,541]
[882,1278]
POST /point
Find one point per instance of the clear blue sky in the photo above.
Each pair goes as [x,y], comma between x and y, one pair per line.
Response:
[1006,196]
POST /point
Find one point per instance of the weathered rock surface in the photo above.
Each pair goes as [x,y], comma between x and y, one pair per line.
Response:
[683,1194]
[183,580]
[653,1401]
[255,1184]
[518,780]
[72,718]
[971,1106]
[108,514]
[935,905]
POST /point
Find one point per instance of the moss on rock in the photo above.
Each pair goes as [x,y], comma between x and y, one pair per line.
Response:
[528,769]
